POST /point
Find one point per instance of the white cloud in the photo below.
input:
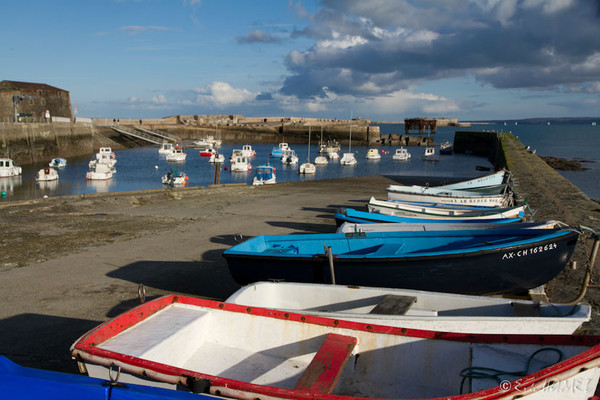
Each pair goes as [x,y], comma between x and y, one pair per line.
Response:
[223,94]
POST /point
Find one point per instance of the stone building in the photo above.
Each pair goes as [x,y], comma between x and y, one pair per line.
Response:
[32,102]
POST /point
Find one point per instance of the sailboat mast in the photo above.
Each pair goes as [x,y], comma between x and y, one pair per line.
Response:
[309,143]
[350,141]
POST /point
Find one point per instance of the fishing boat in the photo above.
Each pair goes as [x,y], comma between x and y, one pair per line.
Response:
[58,163]
[8,168]
[333,155]
[478,262]
[240,164]
[46,174]
[356,227]
[177,155]
[207,151]
[247,151]
[100,172]
[307,168]
[345,214]
[277,152]
[21,383]
[433,210]
[243,352]
[289,157]
[165,148]
[373,154]
[175,177]
[427,194]
[415,309]
[207,141]
[446,148]
[332,146]
[106,156]
[429,154]
[401,154]
[265,175]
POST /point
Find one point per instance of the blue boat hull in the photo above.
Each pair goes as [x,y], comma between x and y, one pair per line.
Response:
[361,217]
[22,383]
[477,269]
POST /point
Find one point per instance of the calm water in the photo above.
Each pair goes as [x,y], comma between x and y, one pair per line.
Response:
[141,168]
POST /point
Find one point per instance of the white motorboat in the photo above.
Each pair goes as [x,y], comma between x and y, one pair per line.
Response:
[289,157]
[58,163]
[416,309]
[373,154]
[217,158]
[165,148]
[265,175]
[401,154]
[332,146]
[321,160]
[8,168]
[333,155]
[207,151]
[99,172]
[240,164]
[432,210]
[177,155]
[46,174]
[207,141]
[429,154]
[348,159]
[175,177]
[242,352]
[277,152]
[105,155]
[307,168]
[247,151]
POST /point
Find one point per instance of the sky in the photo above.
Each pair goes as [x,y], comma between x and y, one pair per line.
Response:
[384,60]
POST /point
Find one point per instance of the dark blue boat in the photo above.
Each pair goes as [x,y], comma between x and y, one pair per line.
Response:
[478,262]
[17,382]
[362,217]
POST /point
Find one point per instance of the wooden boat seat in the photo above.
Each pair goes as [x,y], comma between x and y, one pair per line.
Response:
[525,309]
[324,370]
[393,304]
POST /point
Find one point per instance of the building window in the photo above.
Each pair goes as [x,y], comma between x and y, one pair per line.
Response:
[43,102]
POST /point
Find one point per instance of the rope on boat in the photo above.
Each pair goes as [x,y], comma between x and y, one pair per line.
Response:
[496,374]
[590,264]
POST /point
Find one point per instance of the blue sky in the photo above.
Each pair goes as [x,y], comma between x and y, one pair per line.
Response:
[385,60]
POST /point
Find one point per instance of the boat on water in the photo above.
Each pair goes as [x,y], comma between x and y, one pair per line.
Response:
[348,159]
[177,155]
[307,168]
[332,146]
[21,383]
[289,157]
[434,194]
[489,180]
[175,177]
[247,151]
[333,155]
[429,154]
[415,309]
[373,154]
[100,172]
[265,175]
[321,160]
[106,156]
[277,152]
[46,174]
[467,261]
[446,148]
[351,215]
[216,158]
[207,141]
[433,210]
[207,152]
[166,148]
[401,154]
[243,352]
[8,168]
[240,163]
[58,162]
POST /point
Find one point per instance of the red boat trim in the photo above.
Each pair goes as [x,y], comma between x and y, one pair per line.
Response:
[86,348]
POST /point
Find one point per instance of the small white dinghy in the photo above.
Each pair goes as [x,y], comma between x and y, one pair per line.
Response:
[99,172]
[46,174]
[401,154]
[245,352]
[416,309]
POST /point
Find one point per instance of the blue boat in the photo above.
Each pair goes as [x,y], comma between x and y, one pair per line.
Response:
[17,382]
[479,262]
[362,217]
[277,152]
[58,163]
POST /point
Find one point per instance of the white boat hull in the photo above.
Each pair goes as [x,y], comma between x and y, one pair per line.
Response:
[430,310]
[307,168]
[433,195]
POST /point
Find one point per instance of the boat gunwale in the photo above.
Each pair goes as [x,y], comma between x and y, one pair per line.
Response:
[86,348]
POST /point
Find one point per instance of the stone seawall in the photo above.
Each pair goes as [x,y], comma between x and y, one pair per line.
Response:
[33,143]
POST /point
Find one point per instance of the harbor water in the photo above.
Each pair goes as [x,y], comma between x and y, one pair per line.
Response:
[141,168]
